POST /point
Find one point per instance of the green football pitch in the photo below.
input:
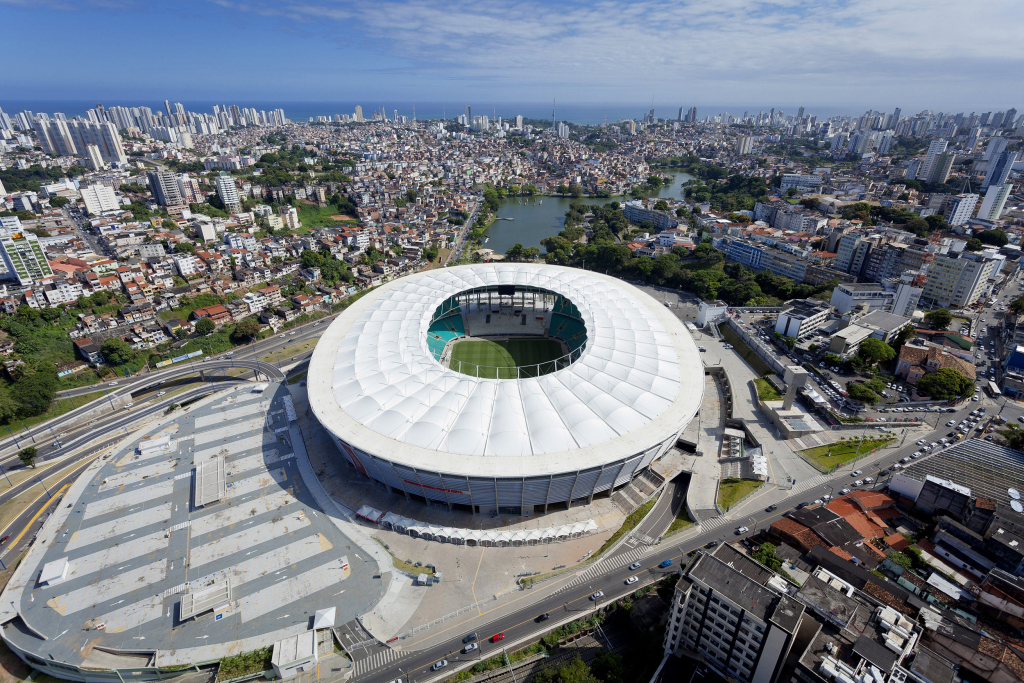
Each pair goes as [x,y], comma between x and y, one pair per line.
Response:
[499,359]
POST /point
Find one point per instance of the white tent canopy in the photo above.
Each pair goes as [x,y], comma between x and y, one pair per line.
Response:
[324,618]
[486,537]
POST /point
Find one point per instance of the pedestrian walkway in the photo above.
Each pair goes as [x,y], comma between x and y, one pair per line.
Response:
[810,483]
[376,661]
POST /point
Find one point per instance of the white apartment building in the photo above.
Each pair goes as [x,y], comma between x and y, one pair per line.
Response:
[241,240]
[962,208]
[290,217]
[255,301]
[187,264]
[100,199]
[735,615]
[994,202]
[935,148]
[228,193]
[636,212]
[802,317]
[802,182]
[744,144]
[958,282]
[22,255]
[849,295]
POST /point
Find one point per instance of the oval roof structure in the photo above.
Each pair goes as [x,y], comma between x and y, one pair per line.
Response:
[374,383]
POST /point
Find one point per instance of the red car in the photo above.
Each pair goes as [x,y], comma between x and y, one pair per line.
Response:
[497,636]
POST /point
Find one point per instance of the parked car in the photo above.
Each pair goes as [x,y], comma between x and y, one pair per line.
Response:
[844,491]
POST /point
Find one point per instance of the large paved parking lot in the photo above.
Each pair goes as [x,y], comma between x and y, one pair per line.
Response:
[136,544]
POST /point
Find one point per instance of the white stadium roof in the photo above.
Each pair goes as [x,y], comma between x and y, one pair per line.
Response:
[374,383]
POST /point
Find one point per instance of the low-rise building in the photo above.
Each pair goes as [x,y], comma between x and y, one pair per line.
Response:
[801,317]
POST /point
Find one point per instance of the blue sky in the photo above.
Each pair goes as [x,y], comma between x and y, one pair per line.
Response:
[839,54]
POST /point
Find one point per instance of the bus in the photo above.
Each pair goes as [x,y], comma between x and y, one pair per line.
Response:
[993,389]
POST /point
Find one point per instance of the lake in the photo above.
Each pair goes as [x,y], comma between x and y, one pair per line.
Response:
[533,222]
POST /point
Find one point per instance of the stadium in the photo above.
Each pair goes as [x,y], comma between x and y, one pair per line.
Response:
[505,387]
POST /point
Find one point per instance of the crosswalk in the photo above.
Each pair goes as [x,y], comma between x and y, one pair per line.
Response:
[376,661]
[714,523]
[809,483]
[608,565]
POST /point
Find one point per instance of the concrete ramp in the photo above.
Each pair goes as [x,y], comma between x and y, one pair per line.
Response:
[399,603]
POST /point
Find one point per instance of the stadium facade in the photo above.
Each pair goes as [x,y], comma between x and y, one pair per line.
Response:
[514,439]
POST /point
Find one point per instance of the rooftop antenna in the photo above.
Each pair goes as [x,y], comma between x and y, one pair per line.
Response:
[966,187]
[414,113]
[444,116]
[552,113]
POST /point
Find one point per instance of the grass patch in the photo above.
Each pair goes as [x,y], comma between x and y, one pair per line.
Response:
[297,378]
[841,452]
[680,523]
[631,521]
[245,664]
[745,352]
[502,359]
[287,352]
[312,216]
[407,566]
[731,491]
[57,408]
[765,391]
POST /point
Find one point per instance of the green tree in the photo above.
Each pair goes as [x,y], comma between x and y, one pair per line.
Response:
[184,247]
[945,384]
[918,226]
[875,351]
[515,252]
[430,253]
[562,189]
[312,259]
[996,237]
[50,314]
[244,331]
[205,326]
[117,350]
[1014,436]
[939,318]
[974,244]
[575,189]
[34,392]
[608,667]
[662,205]
[8,406]
[1017,305]
[411,195]
[59,201]
[766,555]
[28,456]
[859,392]
[792,192]
[899,559]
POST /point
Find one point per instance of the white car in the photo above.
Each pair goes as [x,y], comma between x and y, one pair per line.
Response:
[827,496]
[868,480]
[905,459]
[921,442]
[439,665]
[741,530]
[844,491]
[976,398]
[111,384]
[859,482]
[631,580]
[817,501]
[471,647]
[949,424]
[856,472]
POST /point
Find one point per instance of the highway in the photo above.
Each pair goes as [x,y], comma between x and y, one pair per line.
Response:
[242,357]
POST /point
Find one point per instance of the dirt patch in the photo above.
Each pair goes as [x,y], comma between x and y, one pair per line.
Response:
[342,217]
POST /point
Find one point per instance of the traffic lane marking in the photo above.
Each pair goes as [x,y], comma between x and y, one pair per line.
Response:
[38,512]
